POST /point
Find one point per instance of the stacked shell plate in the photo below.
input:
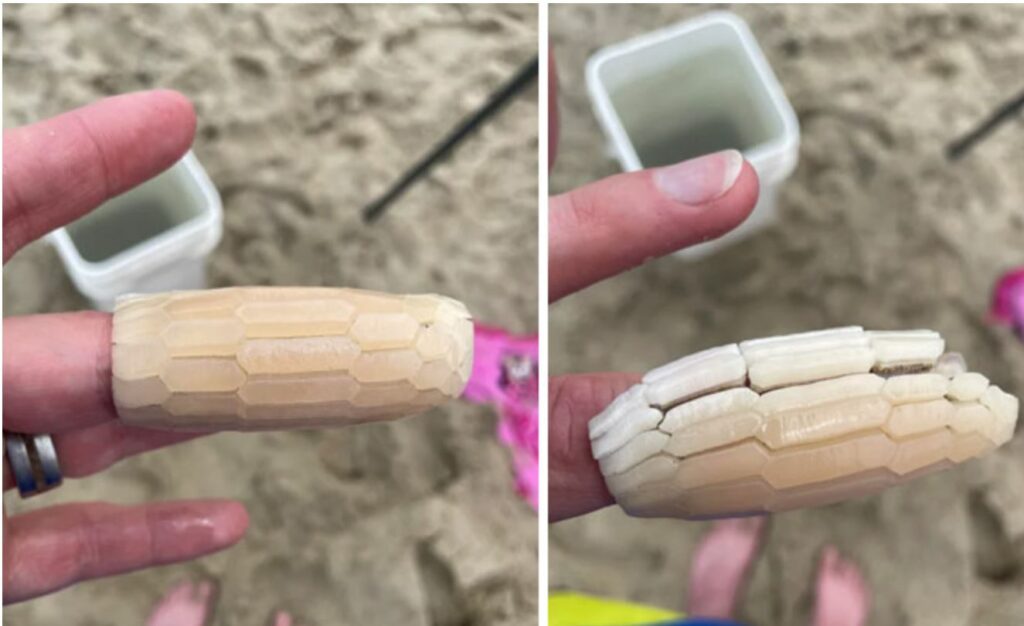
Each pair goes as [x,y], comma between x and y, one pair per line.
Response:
[253,358]
[795,421]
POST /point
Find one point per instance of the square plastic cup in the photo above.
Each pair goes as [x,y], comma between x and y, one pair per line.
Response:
[697,87]
[154,237]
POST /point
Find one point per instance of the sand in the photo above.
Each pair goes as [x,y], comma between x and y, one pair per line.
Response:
[876,228]
[305,115]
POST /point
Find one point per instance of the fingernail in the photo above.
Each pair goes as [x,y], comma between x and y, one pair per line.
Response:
[702,179]
[231,520]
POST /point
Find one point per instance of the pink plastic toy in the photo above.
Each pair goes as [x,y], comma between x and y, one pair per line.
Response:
[505,375]
[1008,301]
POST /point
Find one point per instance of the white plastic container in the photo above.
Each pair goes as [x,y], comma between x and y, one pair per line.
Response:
[699,86]
[155,237]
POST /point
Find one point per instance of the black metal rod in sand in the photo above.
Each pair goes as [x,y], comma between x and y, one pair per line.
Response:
[960,147]
[498,99]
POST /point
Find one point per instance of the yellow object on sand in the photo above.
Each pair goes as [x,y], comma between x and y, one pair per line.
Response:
[576,609]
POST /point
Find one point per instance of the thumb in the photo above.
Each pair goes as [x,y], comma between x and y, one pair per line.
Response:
[610,226]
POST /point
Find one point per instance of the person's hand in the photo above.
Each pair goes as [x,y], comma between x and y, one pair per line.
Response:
[603,229]
[57,375]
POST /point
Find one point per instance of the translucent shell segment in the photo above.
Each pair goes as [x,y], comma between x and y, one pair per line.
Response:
[279,357]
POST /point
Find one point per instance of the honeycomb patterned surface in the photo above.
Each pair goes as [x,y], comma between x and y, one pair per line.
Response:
[741,462]
[249,358]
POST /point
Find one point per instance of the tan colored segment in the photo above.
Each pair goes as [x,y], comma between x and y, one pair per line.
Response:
[386,366]
[732,481]
[967,386]
[130,303]
[1005,408]
[462,340]
[827,421]
[203,337]
[298,355]
[465,366]
[818,463]
[269,357]
[714,433]
[433,343]
[651,474]
[709,407]
[384,331]
[138,360]
[724,465]
[921,451]
[836,490]
[969,446]
[422,308]
[298,391]
[135,394]
[915,388]
[432,375]
[142,324]
[299,318]
[822,392]
[213,304]
[640,448]
[648,489]
[741,497]
[303,416]
[449,311]
[206,405]
[974,417]
[194,375]
[919,417]
[385,394]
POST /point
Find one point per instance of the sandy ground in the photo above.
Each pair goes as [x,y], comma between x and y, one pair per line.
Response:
[305,115]
[876,228]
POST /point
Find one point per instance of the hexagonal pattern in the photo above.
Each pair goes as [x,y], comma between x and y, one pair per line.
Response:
[277,357]
[279,319]
[202,337]
[385,331]
[806,444]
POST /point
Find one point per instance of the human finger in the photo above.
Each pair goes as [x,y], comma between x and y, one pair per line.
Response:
[51,548]
[575,483]
[60,169]
[612,225]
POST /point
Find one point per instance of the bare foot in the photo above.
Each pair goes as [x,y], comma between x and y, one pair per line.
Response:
[185,604]
[721,564]
[282,619]
[843,598]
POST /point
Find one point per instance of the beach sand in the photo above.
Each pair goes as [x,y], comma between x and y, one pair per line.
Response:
[876,228]
[306,114]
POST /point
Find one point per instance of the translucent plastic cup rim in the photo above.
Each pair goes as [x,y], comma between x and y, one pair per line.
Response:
[774,159]
[192,238]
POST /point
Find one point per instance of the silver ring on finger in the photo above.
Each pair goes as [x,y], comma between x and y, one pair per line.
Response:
[33,460]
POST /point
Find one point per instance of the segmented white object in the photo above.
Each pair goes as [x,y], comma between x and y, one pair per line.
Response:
[796,420]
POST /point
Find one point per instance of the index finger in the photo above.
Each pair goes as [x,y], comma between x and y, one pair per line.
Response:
[59,169]
[615,224]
